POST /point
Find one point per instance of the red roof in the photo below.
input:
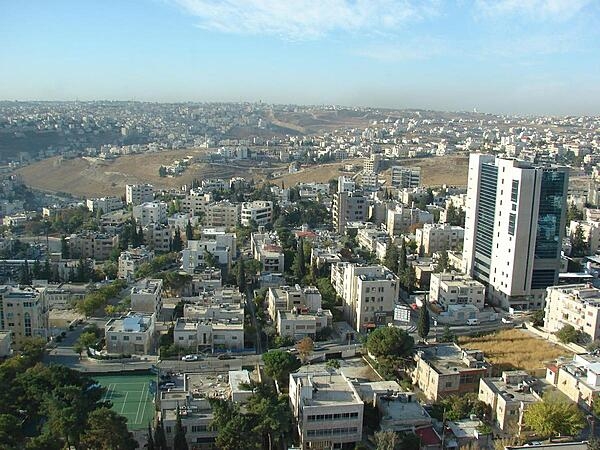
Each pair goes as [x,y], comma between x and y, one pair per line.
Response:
[428,436]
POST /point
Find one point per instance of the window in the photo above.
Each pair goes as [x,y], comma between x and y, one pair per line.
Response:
[113,338]
[125,338]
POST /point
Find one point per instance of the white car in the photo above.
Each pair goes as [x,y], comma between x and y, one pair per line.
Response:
[190,358]
[506,320]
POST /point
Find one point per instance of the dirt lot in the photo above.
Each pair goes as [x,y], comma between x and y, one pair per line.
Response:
[515,350]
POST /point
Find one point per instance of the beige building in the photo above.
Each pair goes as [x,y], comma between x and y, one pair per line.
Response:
[97,246]
[401,218]
[104,204]
[150,212]
[136,194]
[222,214]
[132,334]
[448,289]
[348,207]
[368,293]
[447,369]
[578,379]
[157,237]
[131,260]
[285,298]
[437,237]
[297,326]
[266,249]
[146,296]
[196,202]
[509,397]
[23,313]
[577,305]
[5,344]
[327,410]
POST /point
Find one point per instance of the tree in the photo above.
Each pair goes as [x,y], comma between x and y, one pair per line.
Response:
[177,244]
[402,263]
[160,438]
[64,248]
[279,364]
[37,270]
[179,441]
[299,264]
[443,263]
[162,171]
[554,417]
[448,335]
[573,213]
[270,414]
[568,334]
[305,348]
[391,257]
[241,275]
[189,231]
[537,319]
[25,276]
[386,440]
[150,445]
[107,430]
[390,342]
[10,432]
[85,340]
[423,325]
[332,364]
[579,244]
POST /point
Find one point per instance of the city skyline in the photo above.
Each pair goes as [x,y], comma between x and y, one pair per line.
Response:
[506,56]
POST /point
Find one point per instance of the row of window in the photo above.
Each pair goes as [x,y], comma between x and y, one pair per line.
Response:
[125,338]
[332,432]
[337,416]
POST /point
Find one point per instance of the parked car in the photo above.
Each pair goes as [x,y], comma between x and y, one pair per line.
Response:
[225,356]
[506,320]
[472,322]
[190,358]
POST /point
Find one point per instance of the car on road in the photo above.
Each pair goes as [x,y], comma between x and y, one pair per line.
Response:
[471,322]
[506,320]
[224,356]
[190,358]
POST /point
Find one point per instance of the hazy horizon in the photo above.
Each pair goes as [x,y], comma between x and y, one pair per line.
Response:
[518,57]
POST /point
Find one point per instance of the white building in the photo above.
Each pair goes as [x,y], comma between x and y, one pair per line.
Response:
[216,242]
[136,194]
[104,204]
[196,202]
[406,177]
[5,344]
[577,305]
[132,334]
[369,294]
[515,222]
[401,218]
[130,260]
[346,184]
[266,249]
[285,298]
[327,410]
[150,212]
[258,211]
[23,312]
[146,296]
[437,237]
[448,289]
[299,325]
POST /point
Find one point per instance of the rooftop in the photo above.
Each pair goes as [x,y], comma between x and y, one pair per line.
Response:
[450,358]
[327,389]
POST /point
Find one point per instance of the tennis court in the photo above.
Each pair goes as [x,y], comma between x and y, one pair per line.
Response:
[130,396]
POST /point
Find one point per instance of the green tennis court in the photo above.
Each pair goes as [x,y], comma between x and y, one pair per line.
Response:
[130,396]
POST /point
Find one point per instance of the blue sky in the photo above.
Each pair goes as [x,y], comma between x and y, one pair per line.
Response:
[501,56]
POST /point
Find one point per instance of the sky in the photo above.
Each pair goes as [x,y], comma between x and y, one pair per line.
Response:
[497,56]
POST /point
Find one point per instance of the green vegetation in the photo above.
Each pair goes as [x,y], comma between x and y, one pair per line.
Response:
[279,364]
[390,342]
[423,324]
[99,298]
[568,334]
[553,417]
[158,264]
[456,407]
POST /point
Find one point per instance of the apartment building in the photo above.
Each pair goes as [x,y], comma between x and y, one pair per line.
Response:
[373,240]
[400,219]
[509,397]
[312,191]
[196,202]
[136,194]
[222,214]
[298,324]
[447,369]
[447,289]
[368,293]
[577,305]
[5,344]
[216,242]
[93,245]
[181,220]
[285,298]
[591,233]
[265,248]
[157,237]
[133,334]
[146,296]
[346,184]
[405,177]
[327,410]
[514,227]
[104,204]
[131,260]
[348,207]
[578,379]
[62,296]
[371,164]
[150,212]
[259,211]
[23,313]
[437,237]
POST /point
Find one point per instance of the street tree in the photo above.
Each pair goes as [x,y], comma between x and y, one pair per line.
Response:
[179,441]
[241,275]
[554,417]
[305,348]
[107,430]
[423,325]
[279,364]
[390,342]
[391,257]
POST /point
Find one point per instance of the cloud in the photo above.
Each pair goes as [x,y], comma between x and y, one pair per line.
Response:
[420,49]
[306,19]
[559,10]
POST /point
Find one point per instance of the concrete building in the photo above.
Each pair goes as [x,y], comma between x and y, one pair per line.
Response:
[222,214]
[93,245]
[578,379]
[131,260]
[146,296]
[373,240]
[371,164]
[265,248]
[447,369]
[196,202]
[368,293]
[400,219]
[238,383]
[437,237]
[447,289]
[5,344]
[136,194]
[150,212]
[509,397]
[132,334]
[63,295]
[200,334]
[348,207]
[216,242]
[298,325]
[259,211]
[577,305]
[406,177]
[327,410]
[104,204]
[515,221]
[285,298]
[591,233]
[23,313]
[157,237]
[346,184]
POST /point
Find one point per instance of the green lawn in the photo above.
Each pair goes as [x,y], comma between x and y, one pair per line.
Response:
[130,396]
